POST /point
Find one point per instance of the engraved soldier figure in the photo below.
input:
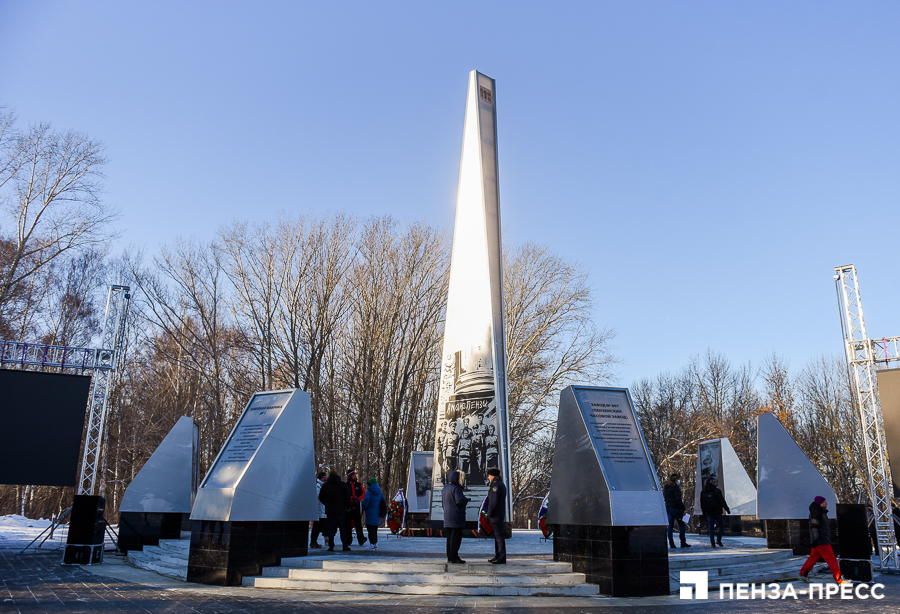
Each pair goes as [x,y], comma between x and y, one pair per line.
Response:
[492,447]
[450,445]
[476,463]
[442,447]
[465,451]
[480,434]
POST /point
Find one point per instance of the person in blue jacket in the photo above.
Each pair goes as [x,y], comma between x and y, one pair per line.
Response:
[371,505]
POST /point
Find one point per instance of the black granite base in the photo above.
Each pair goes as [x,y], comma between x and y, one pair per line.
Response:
[139,529]
[735,526]
[794,534]
[222,553]
[623,561]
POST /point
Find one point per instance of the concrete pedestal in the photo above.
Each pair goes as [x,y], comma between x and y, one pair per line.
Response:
[623,561]
[223,552]
[139,529]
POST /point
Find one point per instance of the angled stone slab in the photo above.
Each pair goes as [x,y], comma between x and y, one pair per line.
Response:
[602,474]
[266,470]
[168,480]
[255,503]
[787,480]
[717,458]
[605,503]
[157,504]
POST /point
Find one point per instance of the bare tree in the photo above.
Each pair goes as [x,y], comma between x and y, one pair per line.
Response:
[552,342]
[50,186]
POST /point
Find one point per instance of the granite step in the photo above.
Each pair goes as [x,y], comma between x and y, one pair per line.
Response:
[725,558]
[424,577]
[469,579]
[169,559]
[534,590]
[406,565]
[760,567]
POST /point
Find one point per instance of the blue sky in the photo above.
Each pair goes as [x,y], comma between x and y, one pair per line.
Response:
[710,163]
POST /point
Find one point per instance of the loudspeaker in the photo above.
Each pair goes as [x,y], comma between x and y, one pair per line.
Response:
[861,571]
[86,522]
[83,555]
[853,532]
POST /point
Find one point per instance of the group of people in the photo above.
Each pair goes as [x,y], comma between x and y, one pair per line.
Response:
[712,504]
[455,501]
[343,505]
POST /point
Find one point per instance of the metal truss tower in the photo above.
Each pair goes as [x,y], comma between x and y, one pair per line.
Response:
[102,361]
[107,361]
[862,355]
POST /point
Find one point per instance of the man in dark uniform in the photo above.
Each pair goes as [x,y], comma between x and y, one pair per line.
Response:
[496,513]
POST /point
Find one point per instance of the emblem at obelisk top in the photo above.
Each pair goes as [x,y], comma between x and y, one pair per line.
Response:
[472,422]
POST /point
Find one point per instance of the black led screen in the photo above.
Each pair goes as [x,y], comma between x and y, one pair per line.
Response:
[41,423]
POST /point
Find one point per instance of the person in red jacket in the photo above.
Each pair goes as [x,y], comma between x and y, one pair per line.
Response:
[820,540]
[357,493]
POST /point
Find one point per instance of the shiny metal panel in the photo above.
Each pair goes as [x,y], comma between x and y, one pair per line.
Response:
[167,482]
[786,479]
[602,474]
[717,458]
[266,469]
[472,426]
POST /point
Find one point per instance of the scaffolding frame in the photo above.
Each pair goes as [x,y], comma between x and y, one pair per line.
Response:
[102,362]
[862,355]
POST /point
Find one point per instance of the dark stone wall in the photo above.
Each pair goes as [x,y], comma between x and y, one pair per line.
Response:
[794,534]
[139,529]
[222,553]
[623,561]
[743,526]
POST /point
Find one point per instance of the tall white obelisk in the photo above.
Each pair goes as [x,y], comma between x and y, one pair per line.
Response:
[472,428]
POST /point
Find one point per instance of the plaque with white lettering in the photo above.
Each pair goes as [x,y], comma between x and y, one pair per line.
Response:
[617,441]
[255,424]
[266,470]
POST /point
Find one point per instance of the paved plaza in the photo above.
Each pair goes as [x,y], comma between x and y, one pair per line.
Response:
[38,582]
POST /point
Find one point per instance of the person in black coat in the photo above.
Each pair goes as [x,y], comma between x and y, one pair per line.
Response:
[336,499]
[675,508]
[454,514]
[712,502]
[496,513]
[820,541]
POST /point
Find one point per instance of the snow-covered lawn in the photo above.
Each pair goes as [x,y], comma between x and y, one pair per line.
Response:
[17,531]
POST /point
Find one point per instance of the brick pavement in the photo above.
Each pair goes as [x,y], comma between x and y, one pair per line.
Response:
[37,583]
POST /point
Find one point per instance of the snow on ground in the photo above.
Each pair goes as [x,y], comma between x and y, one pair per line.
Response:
[17,531]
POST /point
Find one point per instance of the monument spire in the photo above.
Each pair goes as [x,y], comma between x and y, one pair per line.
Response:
[472,425]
